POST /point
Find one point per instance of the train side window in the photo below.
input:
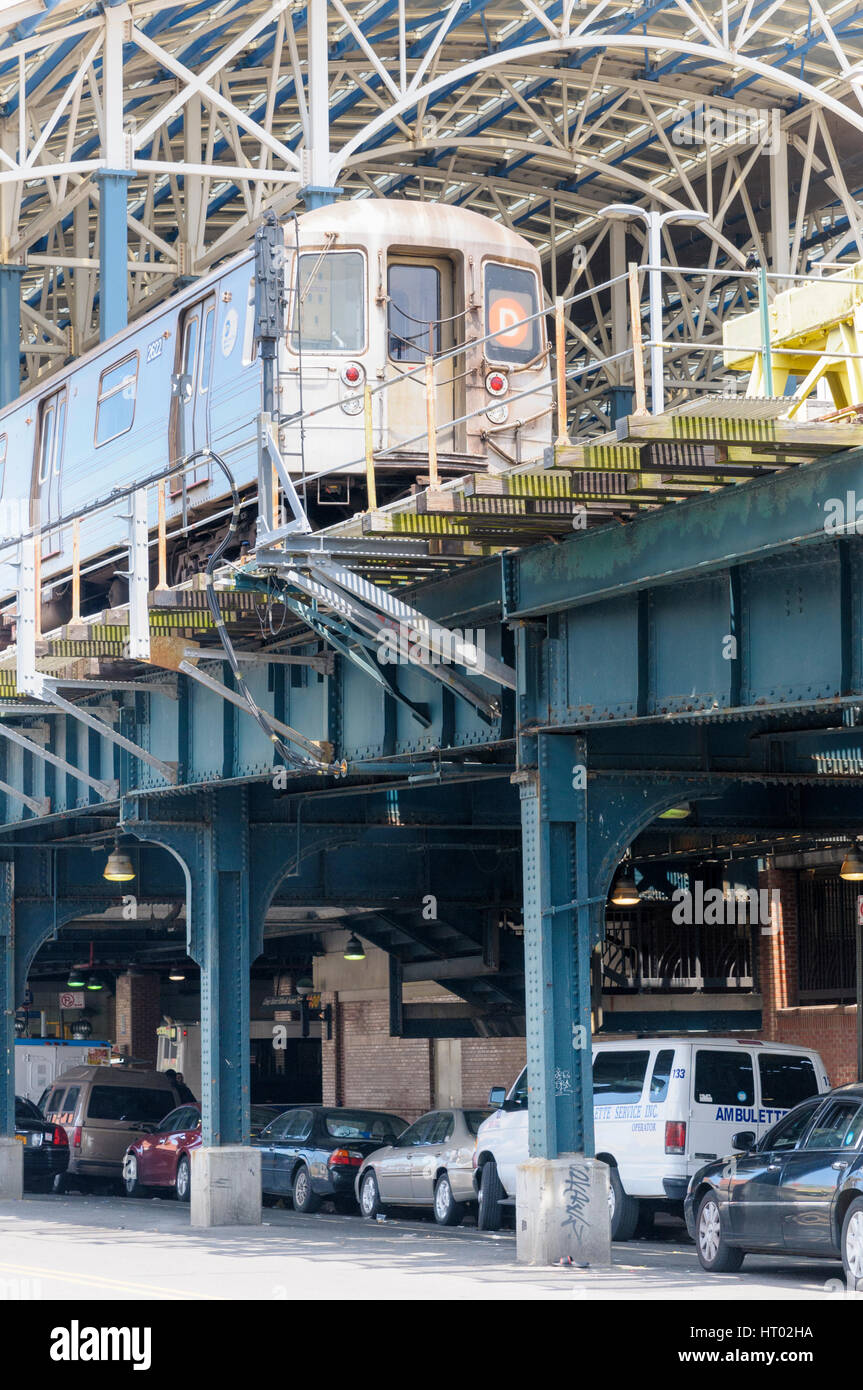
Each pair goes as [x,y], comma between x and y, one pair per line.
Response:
[4,444]
[414,311]
[330,307]
[511,297]
[115,409]
[207,349]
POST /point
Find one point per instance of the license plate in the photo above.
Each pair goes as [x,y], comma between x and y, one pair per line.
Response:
[22,1138]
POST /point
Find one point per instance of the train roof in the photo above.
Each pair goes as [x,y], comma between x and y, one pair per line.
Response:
[438,224]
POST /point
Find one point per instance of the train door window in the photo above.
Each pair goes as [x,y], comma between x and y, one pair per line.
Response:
[511,297]
[4,444]
[115,407]
[421,321]
[192,394]
[207,348]
[329,302]
[46,486]
[414,292]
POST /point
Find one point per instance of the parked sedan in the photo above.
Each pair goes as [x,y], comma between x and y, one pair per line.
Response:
[798,1190]
[430,1165]
[162,1159]
[309,1154]
[46,1146]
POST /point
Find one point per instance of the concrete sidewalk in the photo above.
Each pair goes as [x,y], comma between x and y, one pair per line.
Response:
[100,1248]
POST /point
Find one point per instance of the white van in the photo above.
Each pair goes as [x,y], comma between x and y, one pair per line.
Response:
[662,1107]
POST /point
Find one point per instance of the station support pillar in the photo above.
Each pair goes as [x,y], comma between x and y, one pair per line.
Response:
[11,1153]
[10,332]
[562,1191]
[226,1175]
[113,251]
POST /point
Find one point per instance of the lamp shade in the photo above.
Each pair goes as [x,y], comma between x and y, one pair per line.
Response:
[852,865]
[354,949]
[625,891]
[119,868]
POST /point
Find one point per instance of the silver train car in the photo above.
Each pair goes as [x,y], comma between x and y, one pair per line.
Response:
[373,288]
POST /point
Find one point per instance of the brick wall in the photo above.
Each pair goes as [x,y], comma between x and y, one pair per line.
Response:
[137,1015]
[829,1028]
[487,1062]
[363,1066]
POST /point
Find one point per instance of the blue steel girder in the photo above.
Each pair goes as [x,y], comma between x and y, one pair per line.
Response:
[748,599]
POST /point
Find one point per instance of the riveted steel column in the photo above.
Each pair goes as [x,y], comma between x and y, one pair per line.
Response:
[557,944]
[7,1000]
[10,332]
[224,962]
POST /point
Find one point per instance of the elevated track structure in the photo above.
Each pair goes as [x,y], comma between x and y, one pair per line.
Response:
[658,610]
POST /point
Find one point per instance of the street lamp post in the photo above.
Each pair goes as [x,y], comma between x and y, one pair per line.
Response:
[655,221]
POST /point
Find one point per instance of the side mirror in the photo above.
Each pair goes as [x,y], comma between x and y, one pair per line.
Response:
[744,1142]
[497,1096]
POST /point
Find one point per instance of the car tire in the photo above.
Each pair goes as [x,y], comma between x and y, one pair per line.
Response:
[447,1211]
[714,1253]
[132,1185]
[852,1245]
[370,1196]
[305,1200]
[183,1180]
[623,1210]
[490,1194]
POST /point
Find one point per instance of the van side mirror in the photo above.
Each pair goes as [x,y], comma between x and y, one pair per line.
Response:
[744,1142]
[497,1096]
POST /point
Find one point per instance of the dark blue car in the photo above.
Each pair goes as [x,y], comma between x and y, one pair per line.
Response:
[797,1190]
[313,1153]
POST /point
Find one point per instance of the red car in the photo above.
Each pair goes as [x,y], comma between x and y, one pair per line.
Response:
[162,1159]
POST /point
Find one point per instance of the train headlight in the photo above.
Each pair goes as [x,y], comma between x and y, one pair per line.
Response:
[352,405]
[496,384]
[352,374]
[497,414]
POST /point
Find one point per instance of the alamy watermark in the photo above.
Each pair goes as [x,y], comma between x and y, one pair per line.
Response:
[415,644]
[714,907]
[714,125]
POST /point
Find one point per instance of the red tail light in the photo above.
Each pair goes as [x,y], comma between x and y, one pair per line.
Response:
[675,1136]
[60,1137]
[344,1158]
[76,1137]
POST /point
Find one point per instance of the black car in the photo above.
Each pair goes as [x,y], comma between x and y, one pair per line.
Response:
[798,1190]
[312,1153]
[46,1146]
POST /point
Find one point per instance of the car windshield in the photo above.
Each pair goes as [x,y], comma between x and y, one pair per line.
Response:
[363,1124]
[25,1110]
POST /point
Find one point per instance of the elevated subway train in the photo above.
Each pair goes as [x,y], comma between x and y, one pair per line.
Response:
[377,287]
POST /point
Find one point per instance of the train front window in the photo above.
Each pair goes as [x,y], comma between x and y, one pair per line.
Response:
[511,297]
[414,312]
[329,303]
[115,410]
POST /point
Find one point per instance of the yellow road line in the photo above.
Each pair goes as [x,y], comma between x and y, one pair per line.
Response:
[99,1281]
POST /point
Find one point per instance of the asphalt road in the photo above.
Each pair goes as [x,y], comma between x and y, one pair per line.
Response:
[106,1247]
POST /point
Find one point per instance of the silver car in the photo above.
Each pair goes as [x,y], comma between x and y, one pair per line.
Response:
[430,1165]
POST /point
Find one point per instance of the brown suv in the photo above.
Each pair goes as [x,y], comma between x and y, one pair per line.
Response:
[104,1109]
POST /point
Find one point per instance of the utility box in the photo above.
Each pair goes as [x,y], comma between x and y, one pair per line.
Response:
[38,1061]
